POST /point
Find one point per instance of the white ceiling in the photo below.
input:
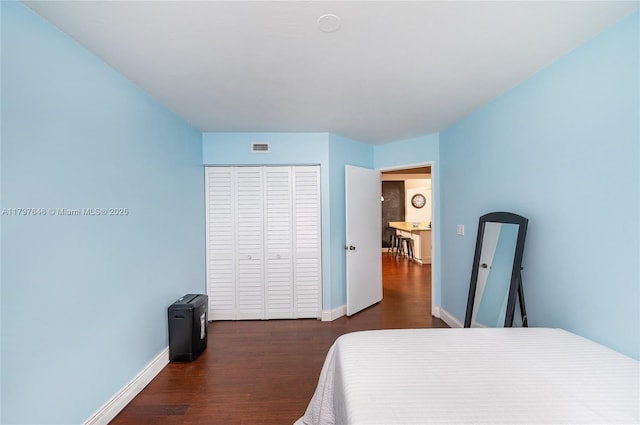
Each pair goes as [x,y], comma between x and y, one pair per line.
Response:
[393,70]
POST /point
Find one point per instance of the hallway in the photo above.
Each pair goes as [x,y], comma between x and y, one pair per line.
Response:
[406,301]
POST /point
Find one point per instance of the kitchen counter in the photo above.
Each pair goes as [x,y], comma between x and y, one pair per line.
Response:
[421,235]
[409,227]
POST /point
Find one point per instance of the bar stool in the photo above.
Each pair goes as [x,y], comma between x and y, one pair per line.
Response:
[401,244]
[393,243]
[410,250]
[404,241]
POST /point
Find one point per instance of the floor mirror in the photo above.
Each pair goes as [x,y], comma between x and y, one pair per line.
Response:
[496,278]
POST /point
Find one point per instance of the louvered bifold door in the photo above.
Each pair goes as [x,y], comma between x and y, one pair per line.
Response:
[220,241]
[307,242]
[278,228]
[249,243]
[263,242]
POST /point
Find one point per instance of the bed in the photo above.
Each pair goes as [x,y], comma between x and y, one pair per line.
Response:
[473,376]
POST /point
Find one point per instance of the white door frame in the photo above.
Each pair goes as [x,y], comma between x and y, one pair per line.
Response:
[435,310]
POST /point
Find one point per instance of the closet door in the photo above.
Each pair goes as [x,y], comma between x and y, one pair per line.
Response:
[249,243]
[307,242]
[278,239]
[220,240]
[263,242]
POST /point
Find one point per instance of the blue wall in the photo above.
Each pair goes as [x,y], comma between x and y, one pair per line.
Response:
[285,148]
[342,151]
[562,150]
[408,152]
[84,298]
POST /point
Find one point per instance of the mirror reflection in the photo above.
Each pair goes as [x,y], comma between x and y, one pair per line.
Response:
[495,277]
[494,274]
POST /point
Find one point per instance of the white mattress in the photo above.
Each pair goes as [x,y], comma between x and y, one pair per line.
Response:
[474,376]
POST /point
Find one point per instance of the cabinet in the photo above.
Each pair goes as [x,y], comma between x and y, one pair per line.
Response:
[263,242]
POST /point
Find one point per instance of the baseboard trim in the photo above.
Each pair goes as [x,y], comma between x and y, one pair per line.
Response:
[328,316]
[439,312]
[435,311]
[115,404]
[449,319]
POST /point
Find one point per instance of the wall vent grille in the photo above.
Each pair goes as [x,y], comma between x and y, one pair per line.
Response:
[260,147]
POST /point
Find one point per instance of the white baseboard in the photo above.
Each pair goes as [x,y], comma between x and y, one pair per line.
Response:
[115,404]
[448,318]
[435,311]
[328,316]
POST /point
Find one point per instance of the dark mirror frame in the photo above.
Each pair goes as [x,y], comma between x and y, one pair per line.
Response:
[515,286]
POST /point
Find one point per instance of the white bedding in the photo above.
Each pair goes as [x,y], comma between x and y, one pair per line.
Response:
[474,376]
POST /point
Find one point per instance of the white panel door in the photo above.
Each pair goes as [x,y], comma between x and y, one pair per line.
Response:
[363,236]
[249,243]
[220,240]
[278,240]
[307,242]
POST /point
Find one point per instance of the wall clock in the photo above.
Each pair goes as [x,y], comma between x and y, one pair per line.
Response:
[418,200]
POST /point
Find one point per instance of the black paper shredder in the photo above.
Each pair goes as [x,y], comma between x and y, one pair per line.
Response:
[188,327]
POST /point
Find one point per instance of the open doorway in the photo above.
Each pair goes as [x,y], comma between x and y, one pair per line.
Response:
[415,220]
[407,210]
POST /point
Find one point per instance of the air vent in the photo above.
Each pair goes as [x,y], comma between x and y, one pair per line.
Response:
[260,147]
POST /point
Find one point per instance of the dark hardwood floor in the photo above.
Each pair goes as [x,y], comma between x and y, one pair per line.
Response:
[265,372]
